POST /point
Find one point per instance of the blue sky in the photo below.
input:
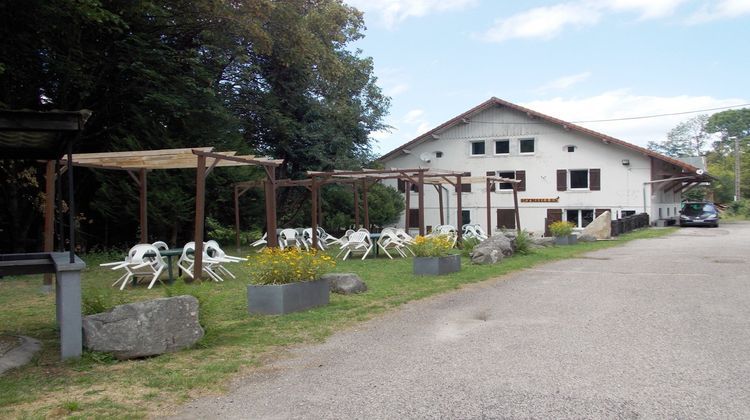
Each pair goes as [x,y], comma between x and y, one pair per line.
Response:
[577,60]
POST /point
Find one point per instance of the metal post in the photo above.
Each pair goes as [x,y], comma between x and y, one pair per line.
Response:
[737,172]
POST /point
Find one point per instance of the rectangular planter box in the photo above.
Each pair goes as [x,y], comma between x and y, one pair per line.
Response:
[566,240]
[277,299]
[437,265]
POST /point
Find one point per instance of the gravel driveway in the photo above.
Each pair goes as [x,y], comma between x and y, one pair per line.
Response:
[656,328]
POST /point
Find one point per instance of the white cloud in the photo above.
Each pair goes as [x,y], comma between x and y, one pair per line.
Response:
[648,9]
[542,22]
[391,12]
[723,9]
[625,104]
[413,116]
[564,82]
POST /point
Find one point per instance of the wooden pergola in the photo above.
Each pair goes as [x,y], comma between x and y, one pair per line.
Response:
[203,159]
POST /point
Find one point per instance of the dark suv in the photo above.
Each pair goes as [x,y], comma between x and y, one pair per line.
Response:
[699,213]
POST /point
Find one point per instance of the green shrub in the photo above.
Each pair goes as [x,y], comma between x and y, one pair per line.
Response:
[100,299]
[226,235]
[467,245]
[561,228]
[523,242]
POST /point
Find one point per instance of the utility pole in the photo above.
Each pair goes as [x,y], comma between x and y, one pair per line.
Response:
[737,168]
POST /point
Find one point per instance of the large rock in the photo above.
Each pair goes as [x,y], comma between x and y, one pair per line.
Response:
[344,283]
[601,227]
[144,328]
[542,241]
[485,256]
[492,250]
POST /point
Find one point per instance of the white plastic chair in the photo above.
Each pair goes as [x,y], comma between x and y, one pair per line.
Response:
[342,241]
[161,245]
[262,242]
[121,265]
[289,237]
[144,260]
[216,253]
[358,242]
[187,262]
[389,240]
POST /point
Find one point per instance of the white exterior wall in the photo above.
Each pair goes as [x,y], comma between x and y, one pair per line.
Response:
[622,187]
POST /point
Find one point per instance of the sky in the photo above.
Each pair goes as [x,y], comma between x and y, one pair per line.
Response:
[577,60]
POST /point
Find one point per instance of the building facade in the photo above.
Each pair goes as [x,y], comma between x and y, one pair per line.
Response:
[567,172]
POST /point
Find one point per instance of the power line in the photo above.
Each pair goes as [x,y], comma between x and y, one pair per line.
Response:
[660,115]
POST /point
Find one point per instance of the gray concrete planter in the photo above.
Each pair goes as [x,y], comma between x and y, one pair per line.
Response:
[278,299]
[566,240]
[437,265]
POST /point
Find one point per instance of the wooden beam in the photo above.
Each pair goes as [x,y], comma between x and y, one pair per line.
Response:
[515,204]
[459,209]
[420,198]
[270,191]
[200,207]
[365,204]
[488,201]
[314,212]
[407,192]
[49,214]
[143,205]
[237,216]
[356,207]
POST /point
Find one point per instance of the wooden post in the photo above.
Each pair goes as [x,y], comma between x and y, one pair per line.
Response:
[459,210]
[356,206]
[71,206]
[489,207]
[407,188]
[515,204]
[420,199]
[49,213]
[314,211]
[270,190]
[365,204]
[320,205]
[143,205]
[237,217]
[58,206]
[200,201]
[439,189]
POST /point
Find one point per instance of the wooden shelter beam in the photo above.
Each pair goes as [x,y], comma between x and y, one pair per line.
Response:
[420,198]
[459,210]
[143,206]
[200,197]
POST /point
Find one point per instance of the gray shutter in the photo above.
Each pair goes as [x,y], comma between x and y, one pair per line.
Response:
[562,180]
[595,179]
[521,176]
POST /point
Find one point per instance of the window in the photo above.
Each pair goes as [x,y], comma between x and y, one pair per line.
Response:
[438,154]
[579,179]
[477,148]
[580,218]
[627,213]
[526,145]
[466,187]
[569,149]
[506,185]
[465,217]
[502,147]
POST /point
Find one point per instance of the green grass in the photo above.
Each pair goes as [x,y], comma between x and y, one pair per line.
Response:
[97,385]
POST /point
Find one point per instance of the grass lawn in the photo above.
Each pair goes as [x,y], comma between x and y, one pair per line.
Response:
[99,386]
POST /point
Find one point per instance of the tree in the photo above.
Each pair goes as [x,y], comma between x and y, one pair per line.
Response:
[730,124]
[688,138]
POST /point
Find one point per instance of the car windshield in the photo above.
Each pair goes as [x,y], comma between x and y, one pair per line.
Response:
[697,209]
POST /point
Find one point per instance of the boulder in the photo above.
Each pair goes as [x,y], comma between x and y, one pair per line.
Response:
[145,328]
[585,237]
[492,250]
[542,242]
[601,227]
[344,283]
[484,256]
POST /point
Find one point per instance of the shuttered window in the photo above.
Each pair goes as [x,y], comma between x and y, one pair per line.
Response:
[562,180]
[521,176]
[506,218]
[508,175]
[595,179]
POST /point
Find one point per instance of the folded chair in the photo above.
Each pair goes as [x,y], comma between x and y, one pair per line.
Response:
[187,262]
[358,242]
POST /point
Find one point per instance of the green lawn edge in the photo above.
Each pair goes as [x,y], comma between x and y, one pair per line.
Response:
[98,386]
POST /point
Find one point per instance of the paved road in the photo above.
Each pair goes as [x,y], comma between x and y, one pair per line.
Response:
[657,328]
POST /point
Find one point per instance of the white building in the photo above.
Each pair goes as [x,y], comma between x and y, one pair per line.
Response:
[568,172]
